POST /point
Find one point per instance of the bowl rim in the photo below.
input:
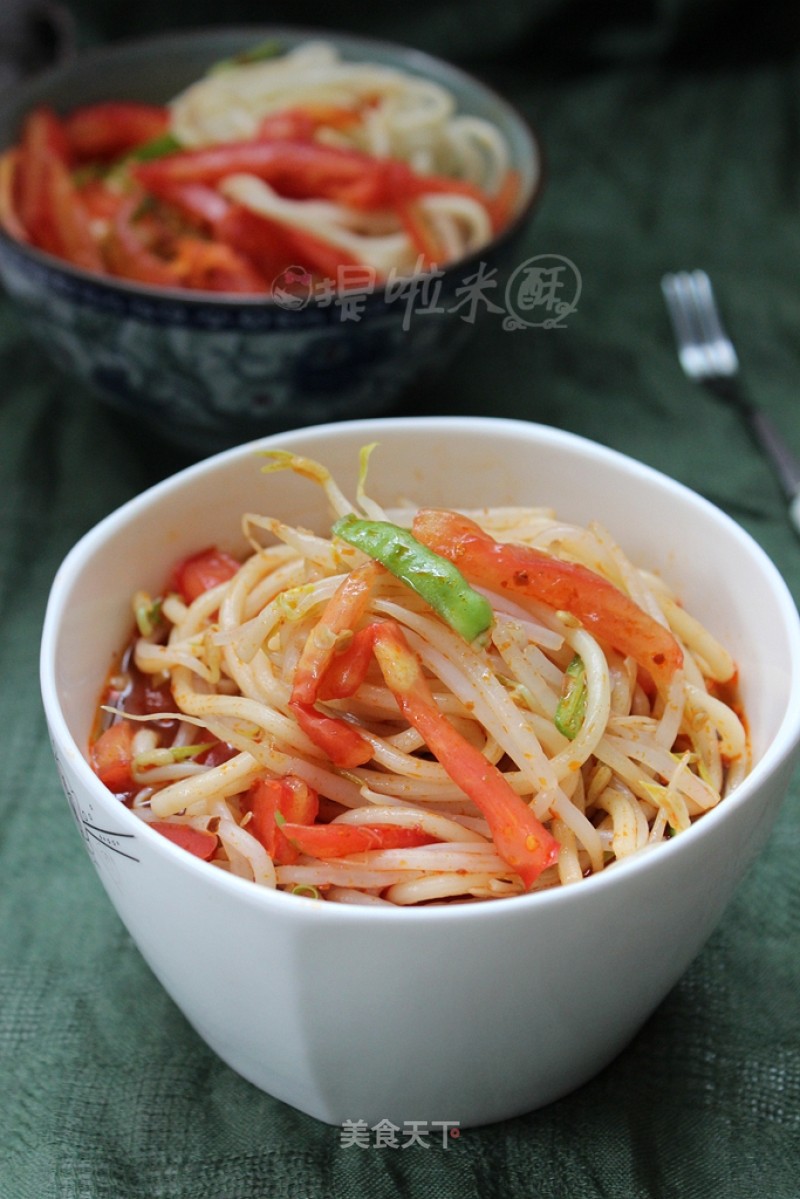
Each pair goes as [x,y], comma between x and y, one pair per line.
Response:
[425,63]
[781,748]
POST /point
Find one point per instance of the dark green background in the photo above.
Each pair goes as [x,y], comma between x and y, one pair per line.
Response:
[672,132]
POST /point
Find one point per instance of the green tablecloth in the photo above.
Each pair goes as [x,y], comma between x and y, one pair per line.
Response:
[672,135]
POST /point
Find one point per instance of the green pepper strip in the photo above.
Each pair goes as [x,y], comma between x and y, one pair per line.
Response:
[571,708]
[258,53]
[157,147]
[437,581]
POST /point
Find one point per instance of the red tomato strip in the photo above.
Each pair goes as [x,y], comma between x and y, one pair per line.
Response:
[287,798]
[273,246]
[9,173]
[100,201]
[341,614]
[210,266]
[340,840]
[341,741]
[198,573]
[347,670]
[301,123]
[295,168]
[107,130]
[202,204]
[128,256]
[568,586]
[112,757]
[520,839]
[43,141]
[196,841]
[68,219]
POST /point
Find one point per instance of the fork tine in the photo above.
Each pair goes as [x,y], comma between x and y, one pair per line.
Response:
[719,345]
[682,313]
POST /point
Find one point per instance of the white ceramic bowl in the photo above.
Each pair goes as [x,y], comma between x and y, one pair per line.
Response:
[471,1013]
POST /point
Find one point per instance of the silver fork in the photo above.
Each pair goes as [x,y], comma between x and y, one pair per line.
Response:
[707,355]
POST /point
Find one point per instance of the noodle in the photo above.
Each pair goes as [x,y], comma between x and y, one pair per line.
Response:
[417,827]
[408,117]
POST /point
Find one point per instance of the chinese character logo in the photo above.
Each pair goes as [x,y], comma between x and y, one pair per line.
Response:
[356,1133]
[542,293]
[291,289]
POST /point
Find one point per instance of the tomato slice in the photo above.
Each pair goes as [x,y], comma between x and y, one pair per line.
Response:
[9,216]
[112,757]
[68,219]
[287,799]
[200,203]
[340,840]
[297,168]
[341,614]
[201,571]
[343,744]
[346,671]
[523,571]
[42,141]
[100,201]
[198,842]
[107,130]
[302,122]
[209,266]
[272,246]
[341,741]
[128,256]
[519,837]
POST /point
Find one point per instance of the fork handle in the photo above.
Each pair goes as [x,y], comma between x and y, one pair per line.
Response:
[784,461]
[765,431]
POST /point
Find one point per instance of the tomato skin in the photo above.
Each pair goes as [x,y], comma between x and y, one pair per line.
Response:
[220,752]
[198,842]
[297,168]
[343,744]
[198,573]
[520,838]
[272,246]
[112,757]
[100,202]
[341,614]
[127,255]
[270,800]
[201,204]
[42,143]
[347,670]
[523,571]
[68,219]
[111,128]
[341,741]
[213,266]
[50,206]
[301,123]
[341,840]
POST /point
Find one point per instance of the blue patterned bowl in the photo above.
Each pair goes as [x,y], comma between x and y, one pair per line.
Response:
[208,371]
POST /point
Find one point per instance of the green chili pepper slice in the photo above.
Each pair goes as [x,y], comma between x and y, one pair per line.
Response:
[258,53]
[157,147]
[437,581]
[571,708]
